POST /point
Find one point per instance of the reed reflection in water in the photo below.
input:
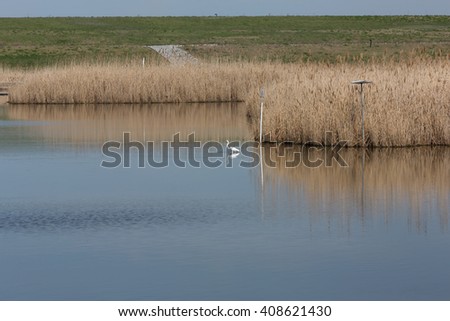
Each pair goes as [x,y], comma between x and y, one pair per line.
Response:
[91,124]
[411,184]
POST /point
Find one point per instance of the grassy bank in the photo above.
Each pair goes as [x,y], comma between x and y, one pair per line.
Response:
[31,42]
[408,104]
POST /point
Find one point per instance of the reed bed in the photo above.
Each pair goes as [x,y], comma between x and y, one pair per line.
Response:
[8,78]
[407,105]
[115,84]
[10,75]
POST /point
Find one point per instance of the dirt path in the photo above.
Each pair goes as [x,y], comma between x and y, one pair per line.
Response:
[175,54]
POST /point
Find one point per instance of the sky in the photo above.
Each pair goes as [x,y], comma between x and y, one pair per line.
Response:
[47,8]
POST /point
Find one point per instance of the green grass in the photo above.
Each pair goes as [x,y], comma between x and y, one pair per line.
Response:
[30,42]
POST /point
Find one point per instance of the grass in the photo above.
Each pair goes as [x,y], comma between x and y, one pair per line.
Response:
[34,42]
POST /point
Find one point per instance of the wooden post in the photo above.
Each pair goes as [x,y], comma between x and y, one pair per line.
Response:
[362,83]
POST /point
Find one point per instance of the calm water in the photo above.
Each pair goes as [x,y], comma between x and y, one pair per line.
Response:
[72,230]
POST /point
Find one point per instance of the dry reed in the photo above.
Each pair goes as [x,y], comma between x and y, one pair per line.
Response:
[8,78]
[114,83]
[408,104]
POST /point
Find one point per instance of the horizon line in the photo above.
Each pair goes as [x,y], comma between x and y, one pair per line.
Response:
[230,16]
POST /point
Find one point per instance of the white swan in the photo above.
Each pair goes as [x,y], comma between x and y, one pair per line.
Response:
[232,149]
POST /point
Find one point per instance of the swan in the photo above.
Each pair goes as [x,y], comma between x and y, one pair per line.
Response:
[232,149]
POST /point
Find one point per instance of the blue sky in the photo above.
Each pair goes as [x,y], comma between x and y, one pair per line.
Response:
[45,8]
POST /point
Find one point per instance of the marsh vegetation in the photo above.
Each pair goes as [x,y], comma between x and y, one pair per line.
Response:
[305,65]
[407,105]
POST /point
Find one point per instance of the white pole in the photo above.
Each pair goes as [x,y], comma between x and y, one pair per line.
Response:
[362,116]
[261,151]
[261,97]
[143,62]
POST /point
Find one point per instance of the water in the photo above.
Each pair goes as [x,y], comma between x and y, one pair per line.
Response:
[377,229]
